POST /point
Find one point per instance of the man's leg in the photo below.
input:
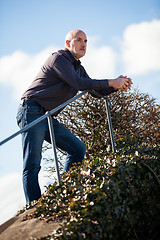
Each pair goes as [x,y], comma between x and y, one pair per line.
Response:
[32,146]
[69,143]
[32,141]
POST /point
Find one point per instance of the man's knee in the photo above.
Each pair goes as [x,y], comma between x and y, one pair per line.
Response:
[82,152]
[31,170]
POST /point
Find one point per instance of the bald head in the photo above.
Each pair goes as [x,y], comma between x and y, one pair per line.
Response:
[70,35]
[75,42]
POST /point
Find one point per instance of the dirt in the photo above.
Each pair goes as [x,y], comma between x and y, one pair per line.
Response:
[18,229]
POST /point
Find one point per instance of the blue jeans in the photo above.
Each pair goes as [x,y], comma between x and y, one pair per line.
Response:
[32,141]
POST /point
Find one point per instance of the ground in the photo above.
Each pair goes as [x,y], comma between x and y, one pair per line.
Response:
[17,228]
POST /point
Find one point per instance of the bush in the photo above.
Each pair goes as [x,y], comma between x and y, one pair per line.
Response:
[134,116]
[107,201]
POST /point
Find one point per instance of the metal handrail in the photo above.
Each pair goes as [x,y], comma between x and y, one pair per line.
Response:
[50,124]
[38,120]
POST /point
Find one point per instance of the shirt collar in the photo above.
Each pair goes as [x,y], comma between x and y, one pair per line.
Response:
[72,59]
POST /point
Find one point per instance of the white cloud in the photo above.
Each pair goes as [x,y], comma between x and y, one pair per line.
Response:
[12,196]
[19,69]
[141,47]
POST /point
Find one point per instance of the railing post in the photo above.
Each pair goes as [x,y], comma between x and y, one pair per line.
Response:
[110,124]
[53,142]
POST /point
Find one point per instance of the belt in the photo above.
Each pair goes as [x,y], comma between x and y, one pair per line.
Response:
[29,101]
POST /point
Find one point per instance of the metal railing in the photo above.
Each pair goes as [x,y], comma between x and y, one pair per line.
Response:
[49,114]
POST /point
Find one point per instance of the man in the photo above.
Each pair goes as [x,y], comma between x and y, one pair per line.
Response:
[59,79]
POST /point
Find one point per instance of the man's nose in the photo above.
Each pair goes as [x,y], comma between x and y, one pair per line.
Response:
[83,43]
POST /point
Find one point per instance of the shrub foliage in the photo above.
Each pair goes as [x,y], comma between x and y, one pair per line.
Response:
[112,195]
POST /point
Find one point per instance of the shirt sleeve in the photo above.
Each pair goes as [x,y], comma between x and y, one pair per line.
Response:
[66,72]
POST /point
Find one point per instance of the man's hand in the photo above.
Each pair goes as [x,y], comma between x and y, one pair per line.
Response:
[122,82]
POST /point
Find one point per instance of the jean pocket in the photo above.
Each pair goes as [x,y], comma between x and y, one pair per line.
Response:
[21,116]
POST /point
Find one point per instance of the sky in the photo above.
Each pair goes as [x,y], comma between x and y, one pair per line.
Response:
[123,38]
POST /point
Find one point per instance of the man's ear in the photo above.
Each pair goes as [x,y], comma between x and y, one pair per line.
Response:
[67,43]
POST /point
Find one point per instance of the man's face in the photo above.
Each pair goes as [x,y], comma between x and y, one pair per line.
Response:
[77,45]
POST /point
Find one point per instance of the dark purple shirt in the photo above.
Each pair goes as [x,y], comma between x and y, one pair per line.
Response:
[60,78]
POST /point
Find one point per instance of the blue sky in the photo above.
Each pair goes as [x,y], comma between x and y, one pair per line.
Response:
[124,38]
[32,25]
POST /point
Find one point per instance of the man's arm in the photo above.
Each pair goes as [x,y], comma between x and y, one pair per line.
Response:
[114,85]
